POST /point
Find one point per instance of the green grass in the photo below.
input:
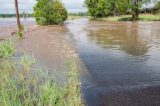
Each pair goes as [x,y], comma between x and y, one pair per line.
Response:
[22,84]
[7,48]
[70,17]
[142,17]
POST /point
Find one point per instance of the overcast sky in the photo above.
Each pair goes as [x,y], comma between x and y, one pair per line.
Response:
[7,6]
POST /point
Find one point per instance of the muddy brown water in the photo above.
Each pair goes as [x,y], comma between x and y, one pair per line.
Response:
[122,59]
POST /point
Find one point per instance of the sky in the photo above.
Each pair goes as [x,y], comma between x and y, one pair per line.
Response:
[7,6]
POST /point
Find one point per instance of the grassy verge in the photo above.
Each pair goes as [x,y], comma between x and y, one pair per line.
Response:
[142,17]
[70,17]
[22,84]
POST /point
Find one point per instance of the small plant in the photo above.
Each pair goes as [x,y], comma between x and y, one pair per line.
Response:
[7,49]
[20,33]
[27,61]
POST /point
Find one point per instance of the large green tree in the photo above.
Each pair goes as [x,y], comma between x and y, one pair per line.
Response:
[157,6]
[48,12]
[101,8]
[135,6]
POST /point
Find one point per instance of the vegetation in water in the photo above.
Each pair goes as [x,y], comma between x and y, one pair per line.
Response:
[23,84]
[142,17]
[48,12]
[20,33]
[7,48]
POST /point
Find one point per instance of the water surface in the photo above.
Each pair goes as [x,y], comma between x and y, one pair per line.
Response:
[123,60]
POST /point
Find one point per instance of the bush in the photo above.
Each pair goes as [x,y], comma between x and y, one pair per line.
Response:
[48,12]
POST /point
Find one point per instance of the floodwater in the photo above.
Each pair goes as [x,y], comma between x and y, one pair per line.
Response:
[123,60]
[11,22]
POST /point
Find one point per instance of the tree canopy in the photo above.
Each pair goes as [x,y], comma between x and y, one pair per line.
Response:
[48,12]
[102,8]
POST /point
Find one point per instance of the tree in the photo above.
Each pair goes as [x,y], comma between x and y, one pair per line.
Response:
[99,8]
[48,12]
[102,8]
[157,6]
[17,15]
[133,6]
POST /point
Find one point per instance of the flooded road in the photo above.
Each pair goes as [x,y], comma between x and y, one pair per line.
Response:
[123,60]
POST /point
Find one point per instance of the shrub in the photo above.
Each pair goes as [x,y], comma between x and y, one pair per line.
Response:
[48,12]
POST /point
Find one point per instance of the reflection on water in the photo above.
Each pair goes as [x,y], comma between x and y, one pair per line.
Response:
[118,55]
[128,41]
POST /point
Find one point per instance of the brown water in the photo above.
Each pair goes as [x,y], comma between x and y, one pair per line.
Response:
[123,60]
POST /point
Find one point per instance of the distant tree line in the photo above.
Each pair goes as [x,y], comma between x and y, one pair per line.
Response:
[104,8]
[14,15]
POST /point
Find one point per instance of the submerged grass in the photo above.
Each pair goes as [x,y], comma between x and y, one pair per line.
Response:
[20,87]
[142,17]
[7,49]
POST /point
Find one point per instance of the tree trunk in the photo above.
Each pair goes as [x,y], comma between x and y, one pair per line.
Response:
[113,8]
[135,11]
[135,16]
[17,15]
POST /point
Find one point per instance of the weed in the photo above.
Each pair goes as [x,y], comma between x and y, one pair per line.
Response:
[20,33]
[7,49]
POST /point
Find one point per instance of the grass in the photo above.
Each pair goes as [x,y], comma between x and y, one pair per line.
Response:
[7,49]
[70,17]
[142,17]
[22,84]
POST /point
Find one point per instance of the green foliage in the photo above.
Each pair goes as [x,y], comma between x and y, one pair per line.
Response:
[48,12]
[27,61]
[157,6]
[98,8]
[7,48]
[103,8]
[73,86]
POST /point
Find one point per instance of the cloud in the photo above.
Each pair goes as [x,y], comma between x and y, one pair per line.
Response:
[7,6]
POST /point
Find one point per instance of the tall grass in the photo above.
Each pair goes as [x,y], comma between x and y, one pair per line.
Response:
[22,84]
[7,48]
